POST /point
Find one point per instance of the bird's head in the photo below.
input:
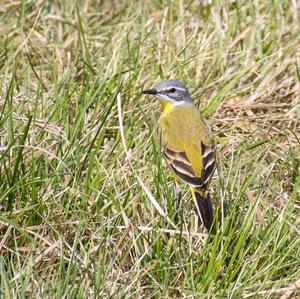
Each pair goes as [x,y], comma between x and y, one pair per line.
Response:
[170,93]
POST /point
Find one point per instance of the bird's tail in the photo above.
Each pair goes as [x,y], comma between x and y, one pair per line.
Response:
[204,208]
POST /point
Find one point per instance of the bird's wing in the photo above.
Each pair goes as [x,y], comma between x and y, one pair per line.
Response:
[179,162]
[208,161]
[188,149]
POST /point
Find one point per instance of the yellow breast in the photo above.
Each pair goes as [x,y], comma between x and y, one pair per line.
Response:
[184,130]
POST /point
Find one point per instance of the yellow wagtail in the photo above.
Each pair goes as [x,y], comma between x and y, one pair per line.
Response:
[187,146]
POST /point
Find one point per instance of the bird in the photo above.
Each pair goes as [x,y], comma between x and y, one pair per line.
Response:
[187,146]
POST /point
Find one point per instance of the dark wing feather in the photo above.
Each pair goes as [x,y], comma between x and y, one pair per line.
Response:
[179,163]
[208,158]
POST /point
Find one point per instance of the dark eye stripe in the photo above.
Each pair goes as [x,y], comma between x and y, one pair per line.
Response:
[171,90]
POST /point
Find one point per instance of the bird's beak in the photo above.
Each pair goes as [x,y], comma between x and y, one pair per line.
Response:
[150,91]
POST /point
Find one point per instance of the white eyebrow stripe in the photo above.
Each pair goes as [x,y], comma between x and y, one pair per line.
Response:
[179,88]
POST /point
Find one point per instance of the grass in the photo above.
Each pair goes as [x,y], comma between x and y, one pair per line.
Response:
[87,205]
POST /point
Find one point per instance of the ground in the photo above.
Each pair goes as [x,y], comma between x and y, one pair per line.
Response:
[88,208]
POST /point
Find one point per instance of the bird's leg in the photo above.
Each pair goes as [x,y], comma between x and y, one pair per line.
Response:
[178,215]
[178,195]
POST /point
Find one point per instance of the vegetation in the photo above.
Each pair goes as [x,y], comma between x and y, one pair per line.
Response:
[88,208]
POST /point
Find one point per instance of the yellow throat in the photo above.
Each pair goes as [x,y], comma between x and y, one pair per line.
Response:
[166,106]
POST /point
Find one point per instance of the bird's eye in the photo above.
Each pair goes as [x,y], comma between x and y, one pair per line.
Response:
[172,90]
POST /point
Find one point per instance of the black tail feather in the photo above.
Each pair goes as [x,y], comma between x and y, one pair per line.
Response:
[205,208]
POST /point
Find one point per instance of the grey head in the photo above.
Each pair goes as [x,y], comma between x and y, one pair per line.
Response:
[172,91]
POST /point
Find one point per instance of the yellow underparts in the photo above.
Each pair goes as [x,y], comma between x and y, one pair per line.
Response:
[183,131]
